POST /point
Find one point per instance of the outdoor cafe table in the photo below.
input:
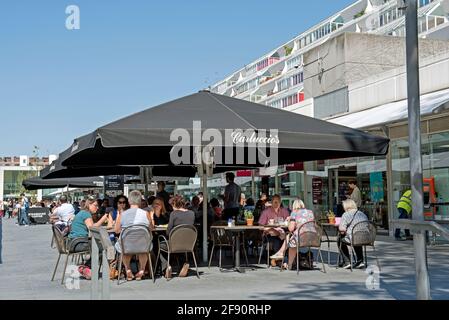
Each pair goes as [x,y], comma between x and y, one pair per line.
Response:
[238,230]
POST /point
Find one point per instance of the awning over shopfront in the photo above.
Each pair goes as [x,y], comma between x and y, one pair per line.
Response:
[434,102]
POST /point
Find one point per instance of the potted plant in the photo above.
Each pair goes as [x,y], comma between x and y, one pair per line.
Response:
[288,50]
[249,216]
[331,217]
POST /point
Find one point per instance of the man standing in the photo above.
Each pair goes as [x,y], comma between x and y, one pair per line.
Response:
[161,193]
[356,195]
[231,197]
[24,207]
[405,212]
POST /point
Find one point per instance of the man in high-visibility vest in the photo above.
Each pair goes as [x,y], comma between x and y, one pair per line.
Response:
[405,212]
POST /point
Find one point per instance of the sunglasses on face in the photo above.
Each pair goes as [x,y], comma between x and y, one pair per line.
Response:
[122,202]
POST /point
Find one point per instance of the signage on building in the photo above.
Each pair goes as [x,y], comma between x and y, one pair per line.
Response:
[317,190]
[297,166]
[243,173]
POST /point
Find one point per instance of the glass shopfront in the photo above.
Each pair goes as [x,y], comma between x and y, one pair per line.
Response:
[328,186]
[323,185]
[435,156]
[12,183]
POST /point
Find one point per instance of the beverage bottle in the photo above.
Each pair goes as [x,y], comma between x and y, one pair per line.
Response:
[229,222]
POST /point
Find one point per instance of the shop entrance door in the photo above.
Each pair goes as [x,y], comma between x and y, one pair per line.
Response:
[338,186]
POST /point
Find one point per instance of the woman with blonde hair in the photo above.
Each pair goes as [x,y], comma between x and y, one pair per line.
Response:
[299,216]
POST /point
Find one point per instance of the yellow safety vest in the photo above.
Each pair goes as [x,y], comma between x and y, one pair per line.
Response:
[406,201]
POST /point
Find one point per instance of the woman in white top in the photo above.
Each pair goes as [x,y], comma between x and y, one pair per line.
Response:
[133,216]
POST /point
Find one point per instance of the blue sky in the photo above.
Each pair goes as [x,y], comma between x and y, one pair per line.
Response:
[57,84]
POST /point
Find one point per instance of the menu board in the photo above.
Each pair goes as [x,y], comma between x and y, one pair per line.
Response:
[113,185]
[317,190]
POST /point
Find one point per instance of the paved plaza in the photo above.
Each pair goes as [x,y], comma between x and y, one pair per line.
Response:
[28,262]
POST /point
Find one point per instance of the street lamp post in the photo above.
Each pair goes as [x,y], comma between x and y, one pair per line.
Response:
[414,128]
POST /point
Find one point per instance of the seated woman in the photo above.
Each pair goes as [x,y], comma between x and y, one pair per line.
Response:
[178,216]
[133,216]
[79,233]
[119,206]
[159,215]
[298,217]
[350,218]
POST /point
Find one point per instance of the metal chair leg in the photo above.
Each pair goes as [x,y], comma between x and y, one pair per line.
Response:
[211,254]
[246,256]
[120,261]
[219,261]
[322,261]
[168,262]
[157,258]
[297,260]
[151,267]
[365,257]
[339,255]
[267,248]
[329,253]
[377,259]
[260,254]
[56,267]
[196,266]
[350,256]
[65,267]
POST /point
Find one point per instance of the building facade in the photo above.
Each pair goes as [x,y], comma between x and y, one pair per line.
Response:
[349,69]
[13,170]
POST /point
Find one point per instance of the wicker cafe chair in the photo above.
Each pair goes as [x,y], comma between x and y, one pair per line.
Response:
[221,239]
[63,245]
[135,239]
[310,235]
[363,234]
[182,239]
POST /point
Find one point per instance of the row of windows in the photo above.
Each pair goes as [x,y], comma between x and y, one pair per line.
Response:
[290,81]
[389,16]
[287,101]
[296,61]
[429,22]
[319,33]
[247,86]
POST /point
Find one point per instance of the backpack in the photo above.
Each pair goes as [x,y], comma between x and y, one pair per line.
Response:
[306,262]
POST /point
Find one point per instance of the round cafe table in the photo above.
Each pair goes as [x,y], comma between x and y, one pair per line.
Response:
[238,230]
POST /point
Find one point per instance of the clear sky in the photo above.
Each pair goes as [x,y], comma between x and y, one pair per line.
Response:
[57,84]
